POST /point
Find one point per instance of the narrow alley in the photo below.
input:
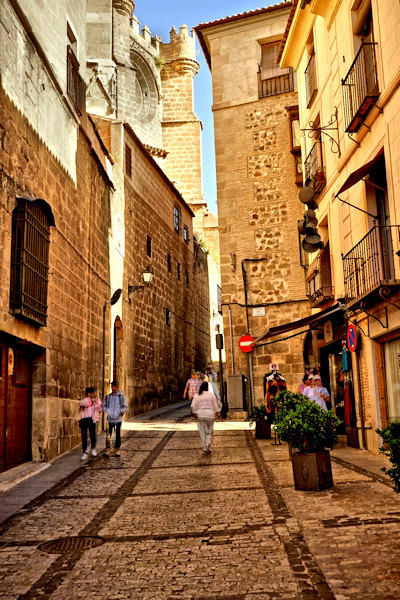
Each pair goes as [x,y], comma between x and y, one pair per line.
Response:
[164,522]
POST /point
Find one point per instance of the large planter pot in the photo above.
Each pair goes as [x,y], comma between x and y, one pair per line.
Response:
[312,471]
[263,430]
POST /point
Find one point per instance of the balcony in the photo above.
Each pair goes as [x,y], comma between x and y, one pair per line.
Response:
[369,267]
[322,296]
[311,81]
[360,88]
[76,87]
[314,169]
[276,85]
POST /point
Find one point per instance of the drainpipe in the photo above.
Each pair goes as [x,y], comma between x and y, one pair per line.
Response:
[360,404]
[249,354]
[231,338]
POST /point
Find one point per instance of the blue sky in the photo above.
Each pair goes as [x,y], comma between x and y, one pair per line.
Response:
[160,16]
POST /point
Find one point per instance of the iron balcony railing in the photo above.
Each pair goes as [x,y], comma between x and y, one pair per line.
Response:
[370,263]
[360,87]
[76,87]
[314,168]
[311,81]
[276,85]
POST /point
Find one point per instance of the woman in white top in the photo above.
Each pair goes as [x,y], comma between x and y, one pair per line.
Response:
[205,407]
[316,393]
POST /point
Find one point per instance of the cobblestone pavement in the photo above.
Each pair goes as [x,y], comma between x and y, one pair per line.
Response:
[178,525]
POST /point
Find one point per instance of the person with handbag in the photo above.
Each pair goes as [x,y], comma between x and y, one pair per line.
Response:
[89,412]
[206,408]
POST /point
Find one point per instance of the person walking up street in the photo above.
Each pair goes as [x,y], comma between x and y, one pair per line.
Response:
[205,407]
[316,393]
[115,406]
[89,412]
[192,385]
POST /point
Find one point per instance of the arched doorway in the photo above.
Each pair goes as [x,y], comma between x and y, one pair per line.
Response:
[118,352]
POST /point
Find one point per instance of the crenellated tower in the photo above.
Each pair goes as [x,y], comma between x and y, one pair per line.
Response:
[181,129]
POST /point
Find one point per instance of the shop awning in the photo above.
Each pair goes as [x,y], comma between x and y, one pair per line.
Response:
[320,317]
[357,175]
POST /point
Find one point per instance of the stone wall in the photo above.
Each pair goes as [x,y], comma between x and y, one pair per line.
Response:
[160,355]
[258,213]
[67,353]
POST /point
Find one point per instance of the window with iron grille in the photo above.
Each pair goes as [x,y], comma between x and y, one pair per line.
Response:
[272,79]
[76,87]
[149,246]
[177,219]
[30,260]
[219,299]
[167,316]
[187,279]
[186,234]
[178,271]
[169,263]
[128,160]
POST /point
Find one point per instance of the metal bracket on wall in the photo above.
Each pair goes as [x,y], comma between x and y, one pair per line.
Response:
[376,318]
[384,292]
[322,129]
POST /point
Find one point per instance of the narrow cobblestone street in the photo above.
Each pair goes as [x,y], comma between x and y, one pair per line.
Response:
[179,525]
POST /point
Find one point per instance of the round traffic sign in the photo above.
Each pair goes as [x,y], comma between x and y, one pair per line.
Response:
[352,337]
[246,343]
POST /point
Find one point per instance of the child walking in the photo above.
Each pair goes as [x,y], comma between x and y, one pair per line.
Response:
[205,407]
[89,412]
[115,406]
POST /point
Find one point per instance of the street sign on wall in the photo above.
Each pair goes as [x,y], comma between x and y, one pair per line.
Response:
[246,343]
[352,337]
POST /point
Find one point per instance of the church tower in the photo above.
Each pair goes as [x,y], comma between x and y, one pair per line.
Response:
[181,128]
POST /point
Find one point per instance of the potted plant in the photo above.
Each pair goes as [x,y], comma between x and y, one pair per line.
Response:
[310,430]
[284,402]
[259,415]
[391,448]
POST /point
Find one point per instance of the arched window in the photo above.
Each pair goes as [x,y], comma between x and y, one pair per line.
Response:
[31,222]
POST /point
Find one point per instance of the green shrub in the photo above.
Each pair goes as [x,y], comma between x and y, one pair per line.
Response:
[305,425]
[257,413]
[284,402]
[391,449]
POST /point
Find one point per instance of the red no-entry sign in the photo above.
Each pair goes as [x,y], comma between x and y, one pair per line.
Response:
[352,337]
[246,343]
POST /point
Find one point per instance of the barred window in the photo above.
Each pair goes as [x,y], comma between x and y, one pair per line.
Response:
[187,279]
[31,221]
[169,263]
[186,234]
[178,271]
[149,246]
[177,219]
[128,160]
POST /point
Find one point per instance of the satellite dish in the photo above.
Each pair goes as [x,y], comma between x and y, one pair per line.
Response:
[116,296]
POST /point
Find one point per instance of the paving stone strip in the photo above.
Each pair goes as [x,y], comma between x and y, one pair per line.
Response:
[302,562]
[63,565]
[362,471]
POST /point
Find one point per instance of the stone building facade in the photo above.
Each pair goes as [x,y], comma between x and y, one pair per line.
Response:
[257,196]
[85,209]
[351,52]
[49,356]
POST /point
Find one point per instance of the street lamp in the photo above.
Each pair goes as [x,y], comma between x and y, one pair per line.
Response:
[147,277]
[114,299]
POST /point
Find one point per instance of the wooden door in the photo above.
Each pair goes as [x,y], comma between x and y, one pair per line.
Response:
[15,406]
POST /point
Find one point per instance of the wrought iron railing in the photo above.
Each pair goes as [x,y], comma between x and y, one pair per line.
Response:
[276,85]
[311,80]
[76,87]
[370,263]
[314,168]
[360,87]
